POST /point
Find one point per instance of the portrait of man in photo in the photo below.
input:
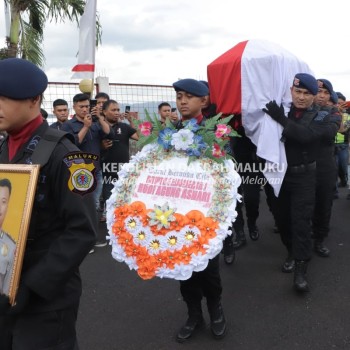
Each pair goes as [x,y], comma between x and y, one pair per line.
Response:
[7,243]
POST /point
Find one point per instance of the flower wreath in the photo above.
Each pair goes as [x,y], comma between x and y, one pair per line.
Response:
[156,238]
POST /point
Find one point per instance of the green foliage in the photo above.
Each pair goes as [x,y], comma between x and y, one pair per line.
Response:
[28,22]
[213,145]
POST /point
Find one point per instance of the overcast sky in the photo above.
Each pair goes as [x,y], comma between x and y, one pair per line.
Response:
[159,41]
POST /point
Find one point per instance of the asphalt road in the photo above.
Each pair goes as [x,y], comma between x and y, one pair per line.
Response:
[119,311]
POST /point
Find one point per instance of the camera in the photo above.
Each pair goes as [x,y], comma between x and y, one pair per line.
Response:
[127,109]
[173,110]
[93,104]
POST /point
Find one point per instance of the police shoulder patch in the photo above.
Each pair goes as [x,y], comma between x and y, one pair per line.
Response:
[82,172]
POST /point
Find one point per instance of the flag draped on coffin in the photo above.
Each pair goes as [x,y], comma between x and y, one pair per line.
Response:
[242,81]
[87,38]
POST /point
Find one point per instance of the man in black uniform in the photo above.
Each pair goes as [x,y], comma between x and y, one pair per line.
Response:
[61,111]
[62,227]
[326,169]
[190,98]
[295,203]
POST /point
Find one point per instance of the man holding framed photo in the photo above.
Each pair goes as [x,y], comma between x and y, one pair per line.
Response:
[62,227]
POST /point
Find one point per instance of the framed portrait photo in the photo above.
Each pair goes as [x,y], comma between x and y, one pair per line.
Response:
[17,191]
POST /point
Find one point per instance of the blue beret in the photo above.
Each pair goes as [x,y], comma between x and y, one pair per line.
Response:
[334,97]
[306,81]
[325,84]
[191,86]
[340,95]
[21,79]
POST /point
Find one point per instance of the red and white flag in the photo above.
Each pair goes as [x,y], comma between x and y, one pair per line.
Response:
[242,81]
[87,42]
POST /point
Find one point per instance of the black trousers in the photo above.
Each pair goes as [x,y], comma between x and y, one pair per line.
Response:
[325,186]
[251,200]
[52,330]
[109,179]
[293,213]
[205,283]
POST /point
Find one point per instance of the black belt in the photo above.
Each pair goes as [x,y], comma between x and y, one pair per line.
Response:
[302,168]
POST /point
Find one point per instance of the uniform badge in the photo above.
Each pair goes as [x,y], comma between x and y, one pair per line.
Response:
[4,249]
[82,172]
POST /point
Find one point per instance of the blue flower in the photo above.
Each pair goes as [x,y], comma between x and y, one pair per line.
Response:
[191,125]
[196,148]
[165,136]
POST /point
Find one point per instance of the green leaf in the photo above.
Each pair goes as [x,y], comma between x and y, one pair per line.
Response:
[145,140]
[226,119]
[169,124]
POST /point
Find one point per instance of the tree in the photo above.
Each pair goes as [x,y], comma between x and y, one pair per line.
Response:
[27,23]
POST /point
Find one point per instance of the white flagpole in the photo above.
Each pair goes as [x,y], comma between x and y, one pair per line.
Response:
[7,18]
[85,68]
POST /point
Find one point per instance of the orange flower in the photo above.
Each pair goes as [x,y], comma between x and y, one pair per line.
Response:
[125,239]
[145,219]
[121,212]
[146,272]
[196,248]
[203,238]
[118,227]
[194,217]
[208,222]
[169,259]
[181,220]
[208,227]
[138,208]
[135,250]
[147,266]
[183,256]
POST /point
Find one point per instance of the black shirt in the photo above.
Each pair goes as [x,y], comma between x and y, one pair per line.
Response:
[119,152]
[304,132]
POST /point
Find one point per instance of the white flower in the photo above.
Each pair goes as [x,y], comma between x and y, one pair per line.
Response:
[182,272]
[173,240]
[190,234]
[132,224]
[143,236]
[182,139]
[156,245]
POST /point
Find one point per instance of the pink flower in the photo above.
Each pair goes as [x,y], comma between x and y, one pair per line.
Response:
[216,151]
[145,128]
[221,130]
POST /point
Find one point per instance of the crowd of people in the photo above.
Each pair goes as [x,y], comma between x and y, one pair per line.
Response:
[95,141]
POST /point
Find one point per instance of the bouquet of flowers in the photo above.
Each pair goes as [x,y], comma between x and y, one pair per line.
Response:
[208,140]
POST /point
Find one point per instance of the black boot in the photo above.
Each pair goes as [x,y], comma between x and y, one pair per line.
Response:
[253,232]
[289,264]
[321,249]
[300,282]
[195,320]
[217,320]
[239,240]
[229,251]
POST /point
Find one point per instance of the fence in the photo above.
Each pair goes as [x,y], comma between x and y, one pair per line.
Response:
[139,97]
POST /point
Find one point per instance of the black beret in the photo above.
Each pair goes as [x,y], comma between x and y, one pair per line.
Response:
[21,79]
[191,86]
[341,96]
[306,81]
[334,97]
[325,84]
